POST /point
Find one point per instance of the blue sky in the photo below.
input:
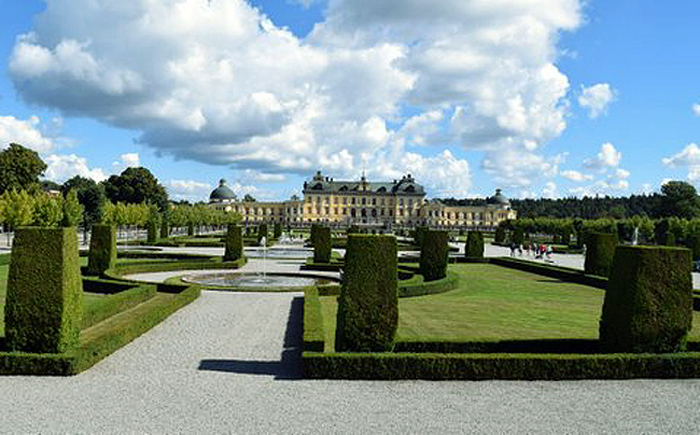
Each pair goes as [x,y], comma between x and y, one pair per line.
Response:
[568,99]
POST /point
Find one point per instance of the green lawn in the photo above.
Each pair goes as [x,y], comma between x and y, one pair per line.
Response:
[497,303]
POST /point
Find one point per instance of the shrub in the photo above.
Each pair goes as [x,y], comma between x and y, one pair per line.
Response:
[368,305]
[233,243]
[434,254]
[44,291]
[314,336]
[517,236]
[663,234]
[648,305]
[693,243]
[277,231]
[500,236]
[164,229]
[475,245]
[353,229]
[152,230]
[322,243]
[418,235]
[262,232]
[600,249]
[190,230]
[103,249]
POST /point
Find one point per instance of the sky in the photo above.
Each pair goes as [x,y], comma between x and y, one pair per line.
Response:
[541,98]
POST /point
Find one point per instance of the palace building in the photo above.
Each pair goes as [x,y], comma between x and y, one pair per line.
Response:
[382,205]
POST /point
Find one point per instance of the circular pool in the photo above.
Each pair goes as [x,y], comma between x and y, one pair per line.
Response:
[237,280]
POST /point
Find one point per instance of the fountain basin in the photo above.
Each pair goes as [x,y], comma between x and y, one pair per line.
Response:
[279,253]
[258,281]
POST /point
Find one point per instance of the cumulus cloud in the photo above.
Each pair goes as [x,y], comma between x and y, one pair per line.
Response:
[520,168]
[607,157]
[689,158]
[128,160]
[60,168]
[576,176]
[26,132]
[596,99]
[696,109]
[188,190]
[218,82]
[549,190]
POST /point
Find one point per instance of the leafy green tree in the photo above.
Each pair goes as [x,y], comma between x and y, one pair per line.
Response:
[679,199]
[72,210]
[90,195]
[20,167]
[136,186]
[47,210]
[18,210]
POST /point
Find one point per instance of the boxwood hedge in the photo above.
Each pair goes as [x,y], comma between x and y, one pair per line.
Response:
[321,237]
[44,303]
[233,243]
[103,249]
[475,245]
[648,305]
[600,249]
[368,303]
[262,232]
[434,254]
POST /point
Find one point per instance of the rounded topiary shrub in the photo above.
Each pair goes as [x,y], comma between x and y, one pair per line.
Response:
[322,243]
[600,249]
[648,304]
[434,255]
[103,249]
[475,245]
[368,305]
[233,243]
[44,302]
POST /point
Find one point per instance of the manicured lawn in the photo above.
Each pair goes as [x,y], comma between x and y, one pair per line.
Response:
[497,303]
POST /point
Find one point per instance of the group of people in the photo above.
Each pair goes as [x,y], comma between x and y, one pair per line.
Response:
[532,249]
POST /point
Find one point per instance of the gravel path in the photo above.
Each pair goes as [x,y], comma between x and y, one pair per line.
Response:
[228,363]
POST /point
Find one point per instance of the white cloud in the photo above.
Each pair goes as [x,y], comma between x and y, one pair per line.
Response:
[549,190]
[607,157]
[596,99]
[696,109]
[262,177]
[218,82]
[189,190]
[622,173]
[128,160]
[689,158]
[520,168]
[27,133]
[576,176]
[63,167]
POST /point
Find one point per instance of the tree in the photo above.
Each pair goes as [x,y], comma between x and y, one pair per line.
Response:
[20,167]
[18,210]
[72,210]
[136,186]
[47,211]
[90,195]
[679,199]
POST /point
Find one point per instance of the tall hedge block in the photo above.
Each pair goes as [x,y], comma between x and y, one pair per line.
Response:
[44,303]
[262,232]
[518,236]
[164,229]
[277,231]
[322,244]
[475,245]
[434,254]
[368,305]
[500,236]
[600,249]
[418,235]
[152,232]
[103,249]
[233,243]
[648,304]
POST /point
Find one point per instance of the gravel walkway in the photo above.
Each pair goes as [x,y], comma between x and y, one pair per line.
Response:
[228,363]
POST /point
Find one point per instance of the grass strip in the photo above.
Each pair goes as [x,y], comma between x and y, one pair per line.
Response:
[314,338]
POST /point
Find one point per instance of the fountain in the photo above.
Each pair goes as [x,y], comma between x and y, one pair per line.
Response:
[635,236]
[245,281]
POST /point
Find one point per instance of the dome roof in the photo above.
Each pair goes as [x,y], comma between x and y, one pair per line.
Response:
[222,192]
[498,199]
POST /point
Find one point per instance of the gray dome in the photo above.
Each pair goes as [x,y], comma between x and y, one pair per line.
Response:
[498,199]
[222,192]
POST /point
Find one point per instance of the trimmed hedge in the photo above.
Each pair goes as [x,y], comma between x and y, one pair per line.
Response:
[233,243]
[600,249]
[517,236]
[116,303]
[500,236]
[421,288]
[103,249]
[440,366]
[314,336]
[164,229]
[419,234]
[434,253]
[368,305]
[277,231]
[44,291]
[321,237]
[663,234]
[648,306]
[152,232]
[559,272]
[475,244]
